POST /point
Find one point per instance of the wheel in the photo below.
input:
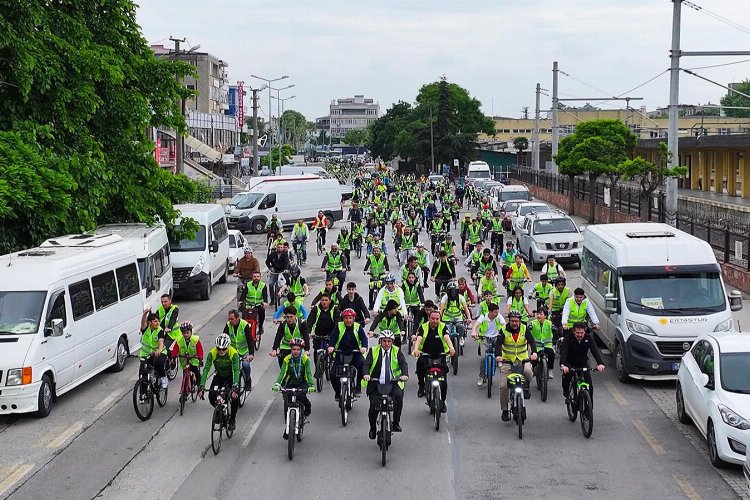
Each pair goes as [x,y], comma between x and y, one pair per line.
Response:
[329,216]
[193,391]
[682,415]
[172,368]
[343,404]
[258,336]
[622,372]
[44,398]
[183,398]
[327,367]
[454,364]
[544,379]
[436,403]
[570,404]
[121,355]
[713,452]
[206,293]
[519,414]
[225,274]
[242,394]
[225,417]
[587,413]
[291,427]
[301,429]
[383,439]
[216,431]
[534,265]
[489,377]
[143,406]
[161,396]
[258,226]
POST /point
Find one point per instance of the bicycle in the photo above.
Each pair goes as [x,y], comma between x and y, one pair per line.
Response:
[541,374]
[272,235]
[358,246]
[300,249]
[172,366]
[220,419]
[489,363]
[143,402]
[458,341]
[245,386]
[384,405]
[435,375]
[189,386]
[295,417]
[322,363]
[375,284]
[319,242]
[251,316]
[274,289]
[580,401]
[347,375]
[516,394]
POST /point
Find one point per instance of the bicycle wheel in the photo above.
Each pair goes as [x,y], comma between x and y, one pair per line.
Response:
[319,245]
[216,431]
[172,368]
[543,376]
[489,370]
[225,418]
[319,368]
[291,417]
[454,364]
[383,439]
[161,396]
[436,403]
[301,428]
[587,413]
[242,397]
[142,403]
[327,367]
[258,336]
[519,414]
[183,397]
[343,403]
[570,404]
[193,391]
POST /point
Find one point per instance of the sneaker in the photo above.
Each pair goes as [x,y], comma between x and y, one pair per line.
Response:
[420,392]
[373,433]
[164,382]
[443,407]
[550,375]
[231,426]
[481,381]
[358,394]
[307,412]
[285,435]
[506,416]
[397,427]
[461,341]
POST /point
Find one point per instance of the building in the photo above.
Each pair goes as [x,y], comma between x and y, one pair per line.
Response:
[349,114]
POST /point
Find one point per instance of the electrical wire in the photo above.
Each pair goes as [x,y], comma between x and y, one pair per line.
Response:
[716,16]
[719,65]
[635,88]
[582,82]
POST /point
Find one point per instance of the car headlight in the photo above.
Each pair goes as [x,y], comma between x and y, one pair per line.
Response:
[636,327]
[18,376]
[724,326]
[198,267]
[732,419]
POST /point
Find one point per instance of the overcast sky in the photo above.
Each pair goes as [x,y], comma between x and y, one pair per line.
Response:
[497,49]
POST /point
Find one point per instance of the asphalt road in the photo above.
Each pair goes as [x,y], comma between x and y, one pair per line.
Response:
[94,446]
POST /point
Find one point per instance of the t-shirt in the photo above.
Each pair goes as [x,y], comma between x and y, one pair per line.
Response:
[433,345]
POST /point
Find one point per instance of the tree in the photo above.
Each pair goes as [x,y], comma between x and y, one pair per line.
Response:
[735,99]
[294,125]
[80,89]
[357,137]
[281,156]
[384,130]
[520,144]
[651,176]
[596,148]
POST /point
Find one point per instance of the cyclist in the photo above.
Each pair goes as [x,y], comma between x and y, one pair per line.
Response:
[436,229]
[390,292]
[347,336]
[241,339]
[433,340]
[299,239]
[188,344]
[413,295]
[390,319]
[512,346]
[486,261]
[377,264]
[411,266]
[277,263]
[355,216]
[542,291]
[552,269]
[487,299]
[406,245]
[296,374]
[344,242]
[358,232]
[465,291]
[541,329]
[246,266]
[473,234]
[518,274]
[274,225]
[168,314]
[322,321]
[498,232]
[517,302]
[488,282]
[576,309]
[353,300]
[377,242]
[488,326]
[334,264]
[558,297]
[292,300]
[225,361]
[152,351]
[508,257]
[442,272]
[256,296]
[475,256]
[332,290]
[320,224]
[423,261]
[291,328]
[294,282]
[385,362]
[465,223]
[574,353]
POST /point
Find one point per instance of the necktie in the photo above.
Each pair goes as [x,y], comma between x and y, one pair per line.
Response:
[387,361]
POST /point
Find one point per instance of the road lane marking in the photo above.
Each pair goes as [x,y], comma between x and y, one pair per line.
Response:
[52,434]
[687,488]
[66,434]
[257,424]
[615,392]
[16,474]
[449,437]
[650,439]
[106,401]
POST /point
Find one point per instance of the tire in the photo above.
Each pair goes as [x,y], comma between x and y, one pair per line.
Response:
[319,369]
[519,413]
[436,403]
[329,216]
[257,226]
[301,430]
[225,417]
[216,431]
[121,355]
[241,397]
[570,405]
[489,378]
[44,398]
[327,367]
[161,396]
[383,439]
[143,410]
[343,403]
[454,364]
[225,274]
[713,451]
[258,336]
[534,266]
[682,415]
[183,397]
[544,381]
[291,428]
[206,293]
[173,367]
[587,413]
[622,372]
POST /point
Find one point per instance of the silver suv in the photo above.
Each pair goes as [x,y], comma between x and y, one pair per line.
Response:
[550,233]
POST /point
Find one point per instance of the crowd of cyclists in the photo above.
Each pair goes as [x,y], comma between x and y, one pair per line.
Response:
[418,302]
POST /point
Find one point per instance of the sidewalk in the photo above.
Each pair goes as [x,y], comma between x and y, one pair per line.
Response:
[738,203]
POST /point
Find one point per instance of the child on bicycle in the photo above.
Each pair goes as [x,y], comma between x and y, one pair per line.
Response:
[541,329]
[296,373]
[190,350]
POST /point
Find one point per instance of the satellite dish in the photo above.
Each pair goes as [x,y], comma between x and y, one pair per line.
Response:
[262,140]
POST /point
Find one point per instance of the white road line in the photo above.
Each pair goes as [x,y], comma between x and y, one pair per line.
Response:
[257,424]
[15,476]
[106,401]
[66,434]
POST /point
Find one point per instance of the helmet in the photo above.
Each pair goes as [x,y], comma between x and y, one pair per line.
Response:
[294,270]
[296,341]
[486,206]
[514,314]
[223,341]
[448,236]
[468,215]
[247,249]
[420,244]
[344,229]
[508,243]
[389,278]
[186,326]
[387,334]
[348,312]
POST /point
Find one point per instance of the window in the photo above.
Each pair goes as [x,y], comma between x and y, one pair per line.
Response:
[127,281]
[158,264]
[80,299]
[598,274]
[268,202]
[707,363]
[57,309]
[699,348]
[725,131]
[220,226]
[105,290]
[232,241]
[166,256]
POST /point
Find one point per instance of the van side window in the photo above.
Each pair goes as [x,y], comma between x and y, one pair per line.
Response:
[80,299]
[269,201]
[220,230]
[105,290]
[599,274]
[57,309]
[165,256]
[127,281]
[158,264]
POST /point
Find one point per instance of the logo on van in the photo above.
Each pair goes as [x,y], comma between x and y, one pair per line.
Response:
[677,321]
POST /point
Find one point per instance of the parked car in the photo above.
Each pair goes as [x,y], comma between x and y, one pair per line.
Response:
[508,208]
[547,234]
[236,247]
[713,391]
[436,179]
[522,210]
[746,472]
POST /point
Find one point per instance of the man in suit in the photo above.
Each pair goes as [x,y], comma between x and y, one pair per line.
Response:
[379,372]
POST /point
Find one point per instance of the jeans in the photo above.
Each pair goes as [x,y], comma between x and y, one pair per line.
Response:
[398,403]
[505,370]
[246,371]
[358,362]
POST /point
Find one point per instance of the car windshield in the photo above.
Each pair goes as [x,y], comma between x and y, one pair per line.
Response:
[536,209]
[550,226]
[479,174]
[20,312]
[677,294]
[735,372]
[514,195]
[511,207]
[236,198]
[188,245]
[250,200]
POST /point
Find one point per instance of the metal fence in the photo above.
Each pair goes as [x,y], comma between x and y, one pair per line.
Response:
[727,230]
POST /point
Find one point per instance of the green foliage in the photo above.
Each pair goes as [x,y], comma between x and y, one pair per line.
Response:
[735,99]
[81,87]
[596,147]
[520,144]
[282,155]
[294,125]
[651,176]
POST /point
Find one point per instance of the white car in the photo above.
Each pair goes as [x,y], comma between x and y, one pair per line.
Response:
[236,246]
[713,391]
[523,210]
[746,473]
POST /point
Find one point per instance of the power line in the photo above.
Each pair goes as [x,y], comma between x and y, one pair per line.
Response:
[719,65]
[584,83]
[637,87]
[716,16]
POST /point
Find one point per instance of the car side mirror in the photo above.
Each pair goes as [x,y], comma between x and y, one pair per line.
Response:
[214,248]
[55,329]
[610,303]
[735,300]
[705,381]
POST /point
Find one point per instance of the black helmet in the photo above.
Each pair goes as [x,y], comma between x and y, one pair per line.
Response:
[514,314]
[294,270]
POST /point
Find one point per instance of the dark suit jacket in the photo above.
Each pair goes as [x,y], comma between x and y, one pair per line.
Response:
[372,385]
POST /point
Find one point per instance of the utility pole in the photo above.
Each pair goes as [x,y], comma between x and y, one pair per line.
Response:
[180,139]
[535,137]
[673,139]
[432,144]
[555,123]
[256,160]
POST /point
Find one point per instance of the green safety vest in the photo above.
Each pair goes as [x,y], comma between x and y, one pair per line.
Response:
[552,272]
[391,324]
[334,263]
[421,257]
[150,342]
[543,292]
[189,348]
[297,303]
[452,309]
[358,231]
[441,329]
[299,230]
[487,284]
[317,317]
[542,333]
[377,267]
[482,328]
[395,367]
[475,231]
[332,293]
[518,305]
[342,330]
[406,270]
[437,225]
[237,336]
[577,312]
[164,319]
[517,350]
[254,295]
[509,258]
[295,285]
[517,273]
[289,374]
[440,266]
[407,242]
[411,294]
[497,225]
[289,335]
[388,295]
[482,266]
[413,223]
[344,242]
[486,213]
[558,299]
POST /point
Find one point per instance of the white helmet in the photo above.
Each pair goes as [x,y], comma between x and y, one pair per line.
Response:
[247,249]
[223,341]
[386,334]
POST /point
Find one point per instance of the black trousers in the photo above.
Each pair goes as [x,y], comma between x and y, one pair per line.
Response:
[398,402]
[423,363]
[158,362]
[566,383]
[217,384]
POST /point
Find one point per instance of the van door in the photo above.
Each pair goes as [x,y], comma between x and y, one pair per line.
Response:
[220,260]
[267,206]
[59,351]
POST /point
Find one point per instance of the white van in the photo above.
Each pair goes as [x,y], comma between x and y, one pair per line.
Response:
[478,170]
[511,192]
[301,170]
[200,262]
[290,200]
[151,247]
[69,309]
[656,288]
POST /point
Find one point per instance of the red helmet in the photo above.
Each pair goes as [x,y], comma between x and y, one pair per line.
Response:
[486,206]
[348,312]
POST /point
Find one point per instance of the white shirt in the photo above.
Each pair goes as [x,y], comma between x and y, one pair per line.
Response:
[589,310]
[385,364]
[379,306]
[492,330]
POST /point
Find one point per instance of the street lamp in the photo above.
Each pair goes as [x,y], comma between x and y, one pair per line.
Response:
[270,147]
[278,112]
[282,111]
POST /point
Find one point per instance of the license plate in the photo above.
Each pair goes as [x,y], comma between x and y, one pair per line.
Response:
[176,285]
[562,255]
[676,366]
